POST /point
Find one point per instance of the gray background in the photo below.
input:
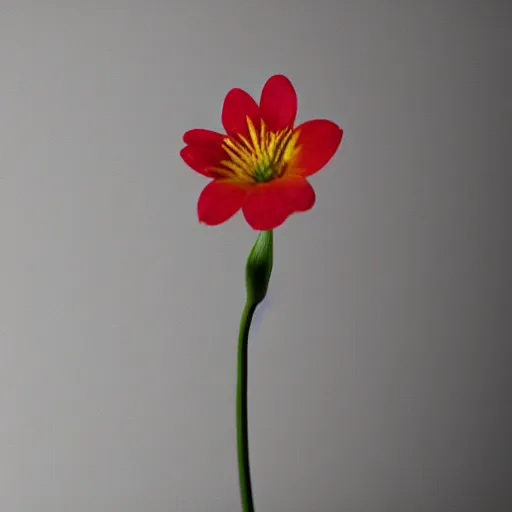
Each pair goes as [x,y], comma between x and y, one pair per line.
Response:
[377,365]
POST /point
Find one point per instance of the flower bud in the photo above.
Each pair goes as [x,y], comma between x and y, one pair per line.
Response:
[259,268]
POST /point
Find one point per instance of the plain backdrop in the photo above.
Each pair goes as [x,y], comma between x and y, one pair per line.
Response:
[378,363]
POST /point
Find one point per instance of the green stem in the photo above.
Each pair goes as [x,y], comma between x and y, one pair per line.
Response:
[244,471]
[257,276]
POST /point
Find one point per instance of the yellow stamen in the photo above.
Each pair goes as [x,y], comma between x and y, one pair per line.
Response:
[259,158]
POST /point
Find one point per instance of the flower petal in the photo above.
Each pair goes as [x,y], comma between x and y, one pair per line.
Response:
[237,106]
[206,136]
[299,194]
[203,157]
[268,205]
[319,140]
[219,201]
[278,104]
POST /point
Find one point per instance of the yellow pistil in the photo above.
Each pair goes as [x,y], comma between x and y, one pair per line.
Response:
[262,157]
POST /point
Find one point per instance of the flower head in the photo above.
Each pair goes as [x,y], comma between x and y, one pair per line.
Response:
[261,164]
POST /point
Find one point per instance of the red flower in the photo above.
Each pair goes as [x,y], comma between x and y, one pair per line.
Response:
[262,162]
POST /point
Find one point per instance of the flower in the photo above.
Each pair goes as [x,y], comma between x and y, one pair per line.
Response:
[262,163]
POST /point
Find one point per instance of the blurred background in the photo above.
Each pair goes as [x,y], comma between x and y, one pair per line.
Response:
[378,364]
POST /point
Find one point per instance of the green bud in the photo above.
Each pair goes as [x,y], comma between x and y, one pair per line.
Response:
[259,268]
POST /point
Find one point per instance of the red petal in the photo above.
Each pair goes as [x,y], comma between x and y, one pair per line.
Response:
[205,136]
[278,104]
[268,205]
[219,201]
[237,106]
[203,157]
[299,193]
[319,140]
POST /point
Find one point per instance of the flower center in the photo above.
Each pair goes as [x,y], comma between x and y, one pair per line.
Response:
[262,157]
